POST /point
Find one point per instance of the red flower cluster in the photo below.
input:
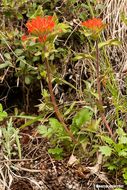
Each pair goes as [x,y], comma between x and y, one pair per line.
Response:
[93,24]
[40,27]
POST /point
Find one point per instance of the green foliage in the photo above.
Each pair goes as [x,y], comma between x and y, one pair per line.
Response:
[3,114]
[124,17]
[125,175]
[116,152]
[110,42]
[11,137]
[54,131]
[56,152]
[79,56]
[106,150]
[80,119]
[38,12]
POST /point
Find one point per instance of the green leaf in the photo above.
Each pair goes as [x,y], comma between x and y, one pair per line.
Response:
[7,56]
[70,109]
[37,53]
[43,130]
[30,122]
[54,129]
[18,143]
[125,173]
[124,17]
[106,150]
[18,52]
[54,123]
[1,108]
[82,117]
[107,140]
[55,150]
[122,140]
[19,16]
[118,147]
[62,28]
[55,18]
[38,12]
[28,80]
[5,64]
[120,132]
[83,56]
[93,126]
[57,128]
[87,32]
[109,43]
[45,93]
[3,114]
[112,167]
[123,152]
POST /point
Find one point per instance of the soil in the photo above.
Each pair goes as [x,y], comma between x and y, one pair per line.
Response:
[37,170]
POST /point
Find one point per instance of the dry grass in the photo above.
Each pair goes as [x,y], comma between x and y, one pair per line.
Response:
[116,29]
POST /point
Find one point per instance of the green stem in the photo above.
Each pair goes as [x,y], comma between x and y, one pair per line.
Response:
[56,109]
[90,8]
[99,91]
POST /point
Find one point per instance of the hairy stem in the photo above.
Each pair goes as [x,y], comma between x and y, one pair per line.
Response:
[56,109]
[99,91]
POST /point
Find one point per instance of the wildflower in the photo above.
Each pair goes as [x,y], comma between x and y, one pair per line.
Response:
[41,27]
[93,24]
[42,39]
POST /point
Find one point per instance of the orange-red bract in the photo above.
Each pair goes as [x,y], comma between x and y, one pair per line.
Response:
[41,27]
[93,24]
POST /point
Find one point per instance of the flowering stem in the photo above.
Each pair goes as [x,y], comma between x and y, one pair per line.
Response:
[56,109]
[99,91]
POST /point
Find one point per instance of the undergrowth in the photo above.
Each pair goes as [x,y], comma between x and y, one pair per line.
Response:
[81,104]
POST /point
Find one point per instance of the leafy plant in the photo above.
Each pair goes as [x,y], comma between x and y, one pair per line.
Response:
[58,136]
[56,152]
[116,152]
[84,116]
[10,137]
[3,114]
[54,131]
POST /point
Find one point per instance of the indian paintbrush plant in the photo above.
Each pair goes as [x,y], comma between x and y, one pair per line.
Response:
[42,33]
[92,28]
[114,149]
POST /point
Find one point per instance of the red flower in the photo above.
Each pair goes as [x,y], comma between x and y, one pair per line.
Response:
[42,39]
[93,24]
[24,38]
[41,27]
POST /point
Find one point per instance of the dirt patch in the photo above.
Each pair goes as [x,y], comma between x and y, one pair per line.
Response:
[21,185]
[37,170]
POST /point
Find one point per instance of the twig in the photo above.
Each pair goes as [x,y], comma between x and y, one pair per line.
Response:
[25,169]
